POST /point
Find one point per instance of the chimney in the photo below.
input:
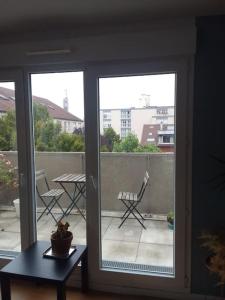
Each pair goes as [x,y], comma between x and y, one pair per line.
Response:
[66,102]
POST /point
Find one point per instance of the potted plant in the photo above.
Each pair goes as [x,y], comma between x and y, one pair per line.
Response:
[170,220]
[61,239]
[215,262]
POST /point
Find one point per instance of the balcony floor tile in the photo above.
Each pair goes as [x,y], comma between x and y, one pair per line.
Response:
[157,236]
[105,224]
[128,222]
[156,224]
[125,233]
[155,255]
[14,226]
[7,218]
[79,230]
[130,243]
[119,251]
[9,241]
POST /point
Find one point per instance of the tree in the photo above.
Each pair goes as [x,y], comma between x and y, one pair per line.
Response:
[68,142]
[104,148]
[148,148]
[110,137]
[8,131]
[46,131]
[129,144]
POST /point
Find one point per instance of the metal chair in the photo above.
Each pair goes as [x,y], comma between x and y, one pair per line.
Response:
[132,200]
[50,198]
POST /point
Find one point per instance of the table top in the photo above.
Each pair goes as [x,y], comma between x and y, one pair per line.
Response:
[80,178]
[31,264]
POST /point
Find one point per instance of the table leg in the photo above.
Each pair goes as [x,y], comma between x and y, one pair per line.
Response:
[5,288]
[84,272]
[61,291]
[77,194]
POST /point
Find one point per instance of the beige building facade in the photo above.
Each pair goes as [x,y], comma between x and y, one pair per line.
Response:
[133,120]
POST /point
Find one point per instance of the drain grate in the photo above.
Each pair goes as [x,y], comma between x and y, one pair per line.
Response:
[137,267]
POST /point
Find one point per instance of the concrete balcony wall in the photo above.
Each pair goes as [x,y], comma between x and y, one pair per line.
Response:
[119,172]
[125,172]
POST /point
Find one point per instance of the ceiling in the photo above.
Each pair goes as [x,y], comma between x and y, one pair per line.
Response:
[38,15]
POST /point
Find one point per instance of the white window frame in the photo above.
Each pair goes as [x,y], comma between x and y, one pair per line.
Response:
[112,278]
[25,157]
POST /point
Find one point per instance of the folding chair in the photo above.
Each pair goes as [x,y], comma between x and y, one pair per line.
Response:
[50,198]
[131,201]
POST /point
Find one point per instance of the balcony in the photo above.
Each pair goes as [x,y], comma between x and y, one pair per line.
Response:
[131,243]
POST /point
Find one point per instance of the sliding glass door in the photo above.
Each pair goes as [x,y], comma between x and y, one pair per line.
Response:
[59,150]
[131,193]
[136,166]
[14,161]
[137,136]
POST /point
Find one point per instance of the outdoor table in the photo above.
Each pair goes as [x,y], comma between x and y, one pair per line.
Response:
[79,183]
[31,265]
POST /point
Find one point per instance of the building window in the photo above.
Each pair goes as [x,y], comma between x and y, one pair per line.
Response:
[125,123]
[107,115]
[125,132]
[125,114]
[170,127]
[107,125]
[162,111]
[162,118]
[166,139]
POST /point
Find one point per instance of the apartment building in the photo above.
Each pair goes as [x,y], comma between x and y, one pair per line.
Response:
[135,120]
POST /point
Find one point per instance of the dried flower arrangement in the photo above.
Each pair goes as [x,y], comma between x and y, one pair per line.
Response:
[62,230]
[215,262]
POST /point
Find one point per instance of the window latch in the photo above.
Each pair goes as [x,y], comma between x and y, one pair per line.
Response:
[93,182]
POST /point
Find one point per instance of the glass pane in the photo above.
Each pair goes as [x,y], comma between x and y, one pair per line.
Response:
[9,186]
[137,134]
[58,114]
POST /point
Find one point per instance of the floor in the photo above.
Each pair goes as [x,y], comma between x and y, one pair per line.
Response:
[26,291]
[130,243]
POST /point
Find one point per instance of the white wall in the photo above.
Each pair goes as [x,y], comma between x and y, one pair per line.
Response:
[101,122]
[156,39]
[116,123]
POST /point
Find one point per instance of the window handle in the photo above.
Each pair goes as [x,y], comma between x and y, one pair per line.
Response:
[22,179]
[93,182]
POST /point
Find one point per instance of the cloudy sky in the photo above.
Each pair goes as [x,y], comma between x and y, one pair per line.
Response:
[117,92]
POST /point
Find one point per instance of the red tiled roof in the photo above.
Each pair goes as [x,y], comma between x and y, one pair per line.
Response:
[150,131]
[7,102]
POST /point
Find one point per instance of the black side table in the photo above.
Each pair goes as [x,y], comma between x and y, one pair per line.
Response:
[31,265]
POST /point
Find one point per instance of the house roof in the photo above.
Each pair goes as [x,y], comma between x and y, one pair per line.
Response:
[150,134]
[7,102]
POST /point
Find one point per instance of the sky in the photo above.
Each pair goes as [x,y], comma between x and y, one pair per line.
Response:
[116,92]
